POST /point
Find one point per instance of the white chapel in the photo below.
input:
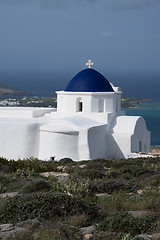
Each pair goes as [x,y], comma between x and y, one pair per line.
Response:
[87,124]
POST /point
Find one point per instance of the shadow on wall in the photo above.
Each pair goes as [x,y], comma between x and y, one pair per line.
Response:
[103,145]
[113,150]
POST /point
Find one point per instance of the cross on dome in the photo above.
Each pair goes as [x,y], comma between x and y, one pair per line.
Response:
[89,64]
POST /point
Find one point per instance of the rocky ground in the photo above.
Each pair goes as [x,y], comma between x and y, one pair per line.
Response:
[98,199]
[155,149]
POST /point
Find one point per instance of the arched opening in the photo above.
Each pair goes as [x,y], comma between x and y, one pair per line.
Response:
[101,105]
[79,105]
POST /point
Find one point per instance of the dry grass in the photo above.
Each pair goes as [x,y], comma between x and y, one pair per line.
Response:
[25,235]
[77,220]
[126,202]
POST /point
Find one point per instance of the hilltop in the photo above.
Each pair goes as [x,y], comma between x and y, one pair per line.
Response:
[7,90]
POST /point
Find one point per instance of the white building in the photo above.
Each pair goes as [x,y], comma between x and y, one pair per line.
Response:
[87,124]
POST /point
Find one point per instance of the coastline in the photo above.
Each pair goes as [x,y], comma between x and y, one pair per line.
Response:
[133,102]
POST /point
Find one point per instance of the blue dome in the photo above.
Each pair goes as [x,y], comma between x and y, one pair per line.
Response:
[89,80]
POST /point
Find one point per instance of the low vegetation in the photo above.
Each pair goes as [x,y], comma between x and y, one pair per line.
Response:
[119,198]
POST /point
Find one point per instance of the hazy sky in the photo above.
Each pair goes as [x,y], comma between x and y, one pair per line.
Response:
[61,35]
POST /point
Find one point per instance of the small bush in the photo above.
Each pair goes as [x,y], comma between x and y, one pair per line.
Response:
[96,165]
[3,162]
[36,186]
[5,168]
[87,174]
[24,173]
[44,206]
[8,184]
[33,164]
[126,223]
[117,164]
[136,171]
[111,185]
[66,161]
[74,188]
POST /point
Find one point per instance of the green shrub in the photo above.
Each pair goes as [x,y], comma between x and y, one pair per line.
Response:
[66,161]
[96,165]
[24,173]
[136,171]
[3,161]
[126,223]
[111,185]
[87,174]
[33,164]
[117,164]
[3,184]
[36,186]
[5,168]
[10,184]
[44,206]
[79,188]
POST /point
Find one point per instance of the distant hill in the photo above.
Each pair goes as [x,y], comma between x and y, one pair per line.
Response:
[7,90]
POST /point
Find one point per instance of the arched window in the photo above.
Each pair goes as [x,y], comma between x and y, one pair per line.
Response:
[79,105]
[101,105]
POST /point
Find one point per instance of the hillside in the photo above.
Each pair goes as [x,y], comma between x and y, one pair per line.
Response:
[100,199]
[7,90]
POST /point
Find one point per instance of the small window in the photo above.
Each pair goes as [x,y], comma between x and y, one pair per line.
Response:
[79,104]
[101,105]
[80,107]
[140,146]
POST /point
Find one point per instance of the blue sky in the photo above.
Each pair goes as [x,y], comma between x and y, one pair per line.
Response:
[59,36]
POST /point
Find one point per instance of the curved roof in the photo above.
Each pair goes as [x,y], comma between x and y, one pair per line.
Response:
[70,124]
[132,122]
[89,80]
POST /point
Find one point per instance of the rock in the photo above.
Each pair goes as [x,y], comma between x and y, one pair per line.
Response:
[156,236]
[8,230]
[47,174]
[140,192]
[145,236]
[87,236]
[28,223]
[87,230]
[6,227]
[11,194]
[62,177]
[99,195]
[83,166]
